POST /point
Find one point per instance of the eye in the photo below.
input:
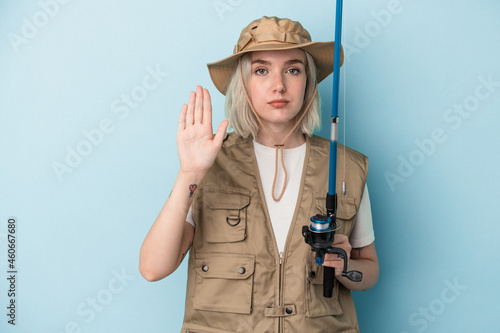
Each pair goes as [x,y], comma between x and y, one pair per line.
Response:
[260,71]
[294,71]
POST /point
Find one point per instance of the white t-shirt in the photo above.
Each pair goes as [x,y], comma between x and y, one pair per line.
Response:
[281,212]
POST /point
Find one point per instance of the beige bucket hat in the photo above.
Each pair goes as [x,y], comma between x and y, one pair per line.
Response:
[269,34]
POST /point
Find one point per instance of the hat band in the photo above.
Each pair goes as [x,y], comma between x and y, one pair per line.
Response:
[247,40]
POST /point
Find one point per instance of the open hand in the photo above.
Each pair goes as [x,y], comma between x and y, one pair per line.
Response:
[196,144]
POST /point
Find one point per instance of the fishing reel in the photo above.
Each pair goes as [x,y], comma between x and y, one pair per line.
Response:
[320,236]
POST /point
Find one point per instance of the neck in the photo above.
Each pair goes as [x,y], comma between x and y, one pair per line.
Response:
[295,139]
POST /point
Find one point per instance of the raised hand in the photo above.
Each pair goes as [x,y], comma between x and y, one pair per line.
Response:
[171,236]
[197,146]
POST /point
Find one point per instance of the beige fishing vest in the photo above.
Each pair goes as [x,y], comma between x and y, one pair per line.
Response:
[237,280]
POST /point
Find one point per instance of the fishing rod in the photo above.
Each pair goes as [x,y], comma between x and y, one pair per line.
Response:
[320,234]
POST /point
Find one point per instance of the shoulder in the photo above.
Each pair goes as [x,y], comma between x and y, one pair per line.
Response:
[323,145]
[234,147]
[235,151]
[232,139]
[354,156]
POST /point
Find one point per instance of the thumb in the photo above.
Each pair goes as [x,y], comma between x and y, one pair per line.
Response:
[221,131]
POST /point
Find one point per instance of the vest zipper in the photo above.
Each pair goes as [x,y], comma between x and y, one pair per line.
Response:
[280,254]
[281,320]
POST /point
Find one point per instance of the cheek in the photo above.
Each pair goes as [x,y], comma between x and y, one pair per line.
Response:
[300,90]
[255,92]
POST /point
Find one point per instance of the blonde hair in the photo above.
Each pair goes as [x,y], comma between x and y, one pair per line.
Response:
[240,115]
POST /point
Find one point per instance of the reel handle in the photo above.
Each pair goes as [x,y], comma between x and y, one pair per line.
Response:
[329,272]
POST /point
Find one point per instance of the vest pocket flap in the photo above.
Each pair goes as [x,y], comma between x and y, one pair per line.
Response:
[223,210]
[224,282]
[226,198]
[346,207]
[224,266]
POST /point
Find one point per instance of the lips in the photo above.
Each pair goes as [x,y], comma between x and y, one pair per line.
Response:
[278,103]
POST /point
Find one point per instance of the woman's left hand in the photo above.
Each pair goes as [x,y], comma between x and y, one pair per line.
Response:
[332,260]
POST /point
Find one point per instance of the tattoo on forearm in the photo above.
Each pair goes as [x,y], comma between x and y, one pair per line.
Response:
[192,188]
[358,250]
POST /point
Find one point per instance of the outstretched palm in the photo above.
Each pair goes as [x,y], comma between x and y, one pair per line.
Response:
[196,144]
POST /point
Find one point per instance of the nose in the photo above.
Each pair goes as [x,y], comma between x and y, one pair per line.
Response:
[279,83]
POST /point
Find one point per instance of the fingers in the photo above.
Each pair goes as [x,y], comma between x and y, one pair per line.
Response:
[182,118]
[339,266]
[207,107]
[340,238]
[331,260]
[342,241]
[221,131]
[190,109]
[199,108]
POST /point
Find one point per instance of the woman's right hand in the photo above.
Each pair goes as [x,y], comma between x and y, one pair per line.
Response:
[196,144]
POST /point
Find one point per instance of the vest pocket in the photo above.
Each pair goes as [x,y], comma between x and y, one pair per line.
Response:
[226,214]
[224,282]
[316,304]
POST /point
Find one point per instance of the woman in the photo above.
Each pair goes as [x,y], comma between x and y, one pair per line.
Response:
[247,195]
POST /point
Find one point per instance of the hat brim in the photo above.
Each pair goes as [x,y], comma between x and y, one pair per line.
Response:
[322,53]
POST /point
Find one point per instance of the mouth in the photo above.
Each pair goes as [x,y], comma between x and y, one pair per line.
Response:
[278,103]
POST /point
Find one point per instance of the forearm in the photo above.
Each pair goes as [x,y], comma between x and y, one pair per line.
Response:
[169,238]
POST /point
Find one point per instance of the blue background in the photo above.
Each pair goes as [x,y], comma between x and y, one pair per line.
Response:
[417,100]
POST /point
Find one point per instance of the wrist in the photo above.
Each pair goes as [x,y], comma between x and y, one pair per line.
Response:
[189,176]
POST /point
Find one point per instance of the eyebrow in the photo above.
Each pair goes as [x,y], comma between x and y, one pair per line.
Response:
[289,62]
